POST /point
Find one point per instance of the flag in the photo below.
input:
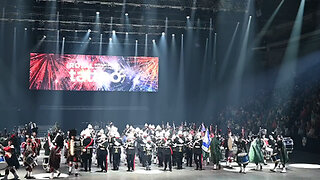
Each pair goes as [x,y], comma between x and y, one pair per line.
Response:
[206,142]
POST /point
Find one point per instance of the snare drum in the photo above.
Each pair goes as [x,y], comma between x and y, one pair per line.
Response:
[275,157]
[243,158]
[2,159]
[3,163]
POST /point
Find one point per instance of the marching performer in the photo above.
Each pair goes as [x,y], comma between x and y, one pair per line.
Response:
[281,151]
[116,149]
[179,143]
[216,154]
[255,153]
[87,145]
[29,154]
[148,153]
[55,154]
[167,152]
[197,150]
[73,152]
[103,146]
[229,148]
[189,148]
[11,159]
[242,154]
[131,152]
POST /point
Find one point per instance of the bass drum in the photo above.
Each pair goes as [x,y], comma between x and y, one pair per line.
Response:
[3,163]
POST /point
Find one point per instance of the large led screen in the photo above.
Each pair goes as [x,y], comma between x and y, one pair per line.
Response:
[93,73]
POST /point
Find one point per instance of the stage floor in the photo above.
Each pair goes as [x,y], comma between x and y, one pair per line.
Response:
[296,170]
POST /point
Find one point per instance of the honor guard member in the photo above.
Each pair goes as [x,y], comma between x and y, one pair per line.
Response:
[87,145]
[148,153]
[116,149]
[73,149]
[11,160]
[160,150]
[55,153]
[216,154]
[131,152]
[197,150]
[102,150]
[29,154]
[189,150]
[242,154]
[167,152]
[179,143]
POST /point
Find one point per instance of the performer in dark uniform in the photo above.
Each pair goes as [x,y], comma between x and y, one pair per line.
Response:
[148,153]
[11,159]
[87,151]
[131,152]
[160,150]
[55,154]
[179,142]
[73,152]
[197,150]
[102,148]
[242,154]
[281,155]
[167,154]
[116,149]
[29,154]
[216,154]
[189,149]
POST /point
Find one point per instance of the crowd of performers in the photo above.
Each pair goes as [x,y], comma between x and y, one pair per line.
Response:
[166,146]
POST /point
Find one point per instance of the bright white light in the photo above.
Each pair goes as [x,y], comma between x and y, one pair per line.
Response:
[63,38]
[97,13]
[76,31]
[136,40]
[113,32]
[110,39]
[305,166]
[25,29]
[173,35]
[44,36]
[153,40]
[188,17]
[126,14]
[89,30]
[163,33]
[127,33]
[89,38]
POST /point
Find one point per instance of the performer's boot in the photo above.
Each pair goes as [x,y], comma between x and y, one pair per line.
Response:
[284,170]
[5,177]
[15,175]
[240,169]
[215,167]
[244,170]
[70,170]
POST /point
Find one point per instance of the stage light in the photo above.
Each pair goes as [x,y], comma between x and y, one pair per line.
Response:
[136,40]
[188,17]
[89,30]
[44,36]
[97,13]
[110,39]
[25,29]
[89,38]
[163,33]
[76,31]
[127,33]
[153,40]
[126,14]
[63,38]
[113,32]
[173,35]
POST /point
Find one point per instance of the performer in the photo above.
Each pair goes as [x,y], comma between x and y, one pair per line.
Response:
[103,146]
[242,154]
[29,154]
[36,140]
[167,145]
[189,148]
[197,150]
[179,143]
[116,149]
[216,154]
[11,159]
[229,149]
[160,150]
[255,153]
[87,145]
[131,152]
[55,154]
[73,152]
[148,153]
[280,152]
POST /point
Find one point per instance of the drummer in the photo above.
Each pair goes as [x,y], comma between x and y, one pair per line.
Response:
[29,154]
[242,153]
[12,161]
[280,154]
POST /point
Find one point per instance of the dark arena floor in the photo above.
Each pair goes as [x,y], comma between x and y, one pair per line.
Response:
[302,166]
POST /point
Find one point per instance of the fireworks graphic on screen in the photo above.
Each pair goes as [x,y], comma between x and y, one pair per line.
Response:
[93,73]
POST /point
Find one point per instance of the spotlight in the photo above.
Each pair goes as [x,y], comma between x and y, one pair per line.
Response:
[188,17]
[89,38]
[110,39]
[113,31]
[63,38]
[163,33]
[173,35]
[25,29]
[136,40]
[97,13]
[76,31]
[89,30]
[127,33]
[153,40]
[126,14]
[44,36]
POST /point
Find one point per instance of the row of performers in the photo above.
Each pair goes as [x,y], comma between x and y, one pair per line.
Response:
[163,145]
